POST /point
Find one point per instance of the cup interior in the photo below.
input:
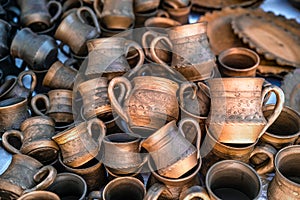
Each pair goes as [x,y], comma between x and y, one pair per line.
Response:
[238,61]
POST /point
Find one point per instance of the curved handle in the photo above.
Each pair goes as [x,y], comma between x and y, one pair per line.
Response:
[33,79]
[270,152]
[114,103]
[295,91]
[132,44]
[101,126]
[144,42]
[193,193]
[43,98]
[196,124]
[162,13]
[278,106]
[155,191]
[153,53]
[48,180]
[92,14]
[97,7]
[7,145]
[58,8]
[183,87]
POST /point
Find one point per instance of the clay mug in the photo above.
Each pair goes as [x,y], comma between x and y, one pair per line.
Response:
[194,192]
[112,61]
[60,76]
[238,61]
[115,14]
[286,182]
[58,105]
[191,53]
[38,51]
[36,14]
[285,129]
[39,195]
[260,156]
[95,98]
[13,112]
[69,186]
[121,153]
[25,174]
[145,5]
[231,179]
[4,38]
[177,12]
[35,136]
[15,87]
[111,176]
[141,17]
[81,143]
[236,114]
[160,187]
[147,106]
[171,152]
[75,30]
[92,172]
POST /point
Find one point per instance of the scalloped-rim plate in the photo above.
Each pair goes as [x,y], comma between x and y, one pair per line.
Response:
[268,39]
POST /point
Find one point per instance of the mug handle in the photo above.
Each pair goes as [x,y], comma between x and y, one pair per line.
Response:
[154,55]
[46,182]
[114,102]
[58,10]
[278,106]
[101,126]
[133,44]
[91,13]
[295,91]
[7,145]
[95,195]
[270,152]
[33,79]
[43,98]
[97,6]
[196,124]
[194,192]
[162,13]
[155,191]
[183,87]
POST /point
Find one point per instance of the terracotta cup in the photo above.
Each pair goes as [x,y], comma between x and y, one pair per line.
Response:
[35,138]
[38,51]
[172,153]
[4,38]
[238,181]
[81,143]
[145,5]
[25,174]
[285,129]
[60,76]
[15,87]
[75,30]
[149,105]
[69,186]
[238,61]
[236,115]
[36,14]
[192,55]
[13,112]
[286,182]
[58,105]
[39,195]
[178,13]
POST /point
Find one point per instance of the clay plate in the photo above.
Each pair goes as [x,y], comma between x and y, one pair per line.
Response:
[268,39]
[219,4]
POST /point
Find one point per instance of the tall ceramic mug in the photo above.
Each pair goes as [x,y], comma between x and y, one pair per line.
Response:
[149,105]
[236,109]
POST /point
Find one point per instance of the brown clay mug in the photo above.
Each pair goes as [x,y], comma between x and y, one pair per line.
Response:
[39,195]
[149,105]
[236,115]
[177,12]
[81,143]
[145,5]
[25,174]
[13,112]
[36,14]
[60,76]
[74,30]
[231,179]
[238,61]
[286,182]
[4,36]
[58,105]
[35,138]
[171,152]
[15,87]
[38,51]
[192,56]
